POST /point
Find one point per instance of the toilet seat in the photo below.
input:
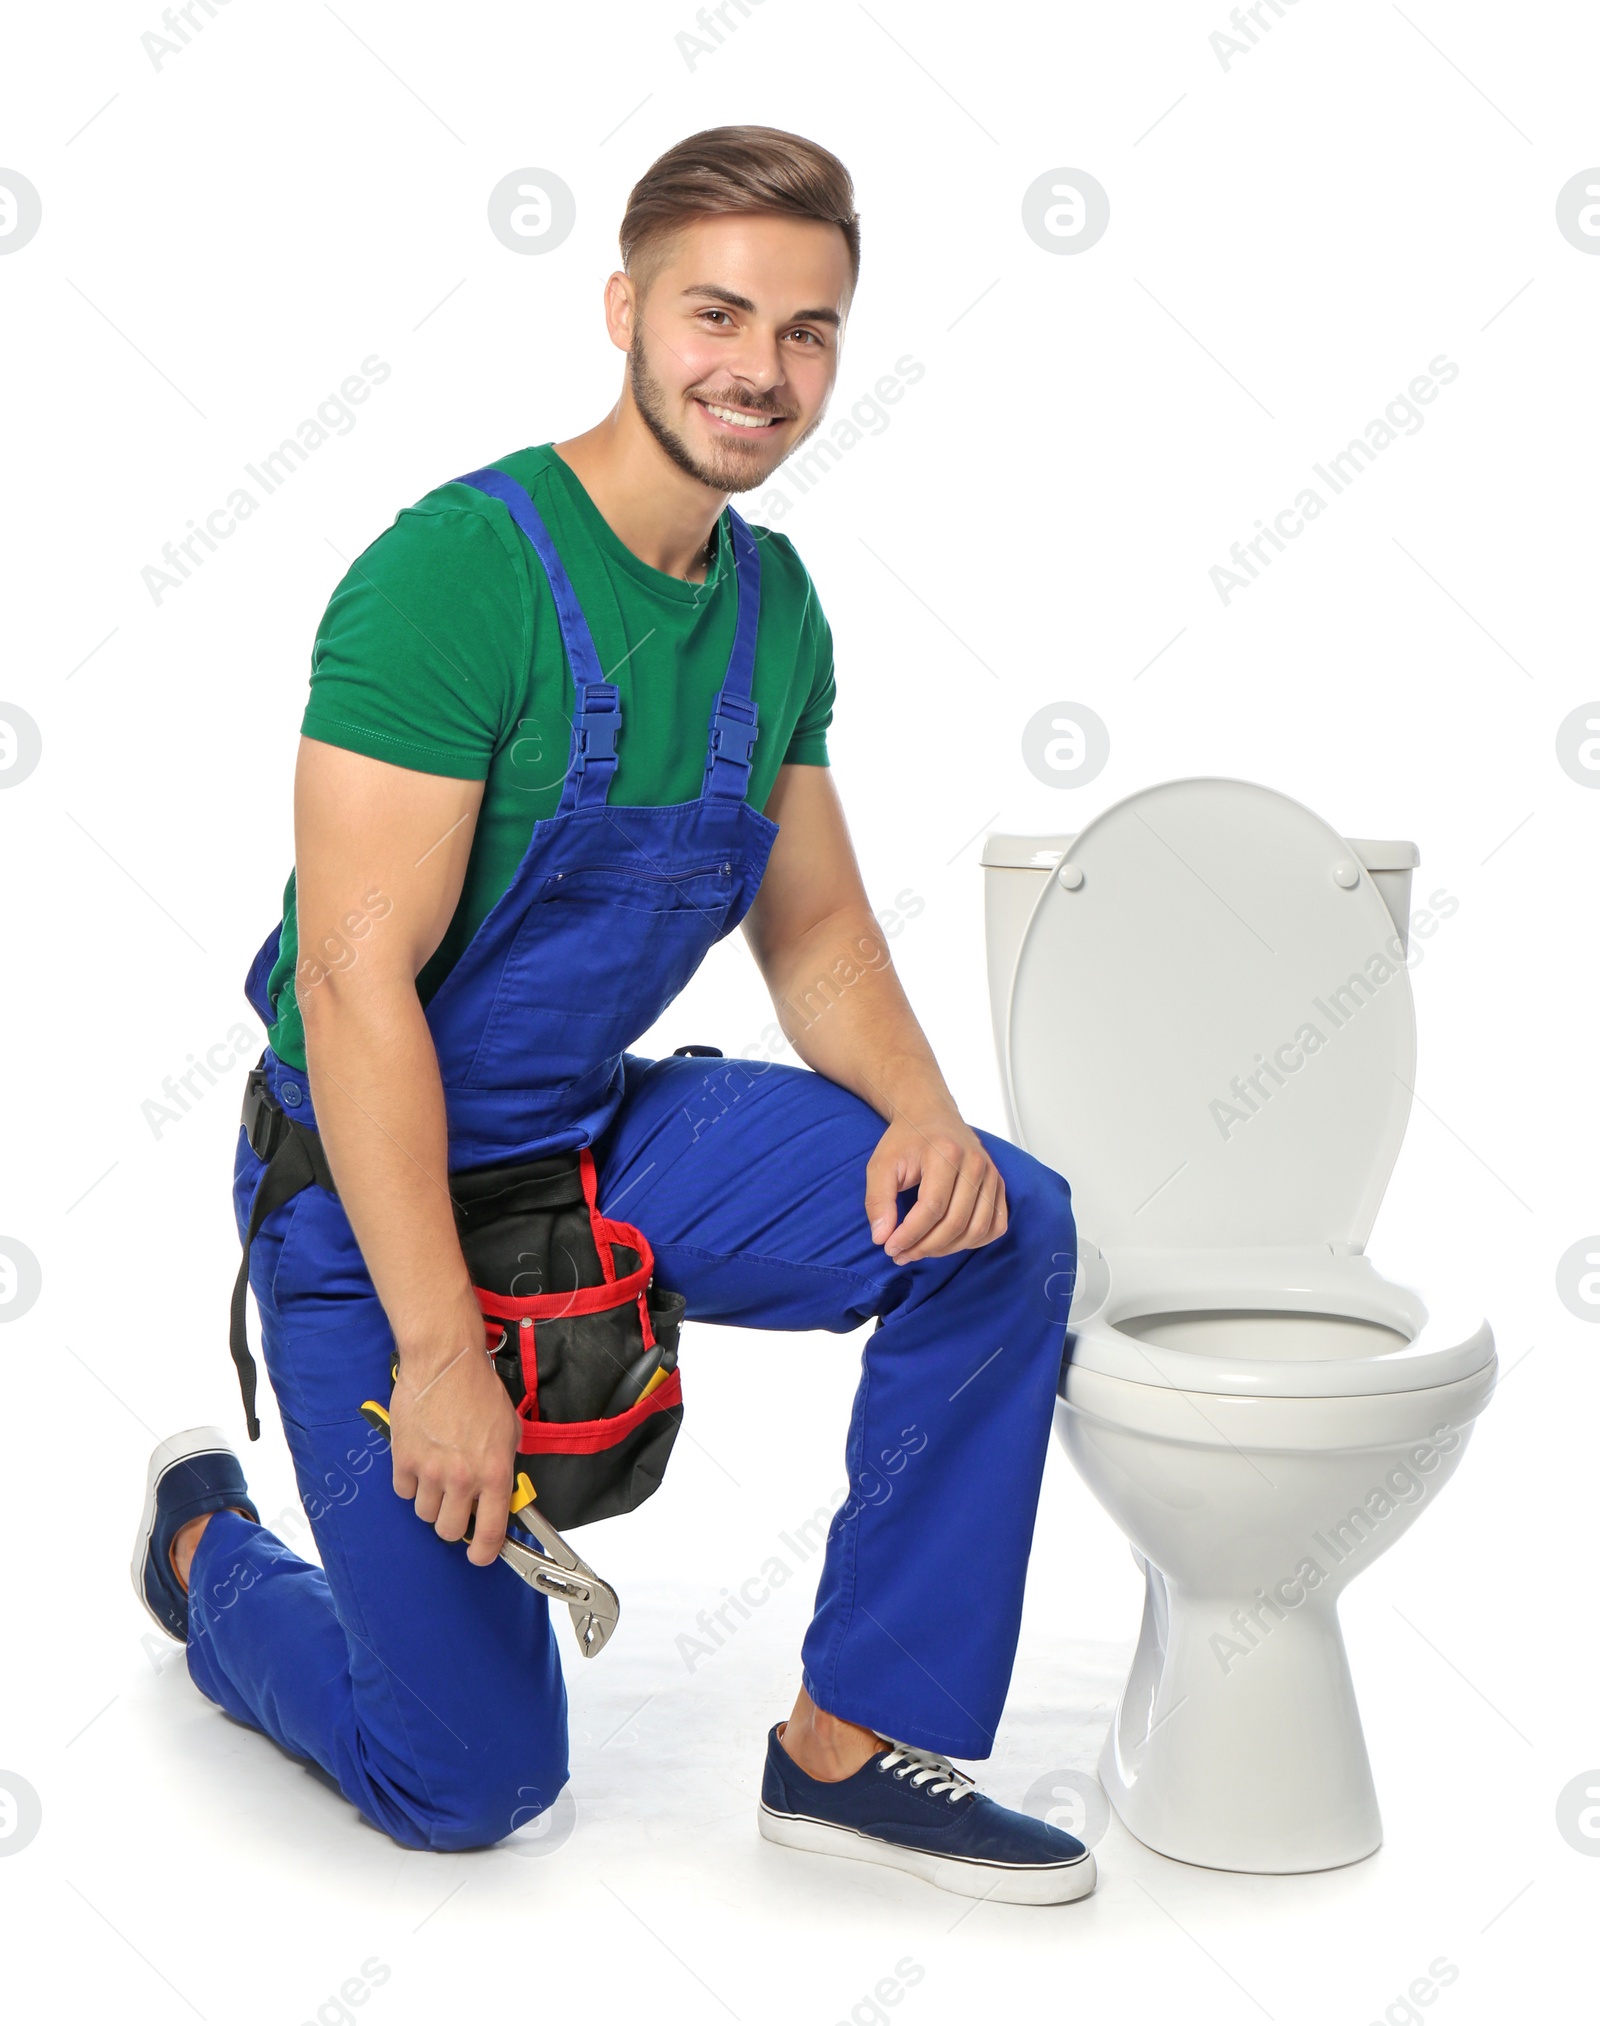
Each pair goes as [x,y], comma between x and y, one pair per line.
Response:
[1211,1029]
[1400,1340]
[1211,1033]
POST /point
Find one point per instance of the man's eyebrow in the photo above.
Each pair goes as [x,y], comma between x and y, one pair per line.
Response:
[712,292]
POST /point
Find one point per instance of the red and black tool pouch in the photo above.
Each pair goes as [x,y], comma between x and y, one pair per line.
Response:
[579,1332]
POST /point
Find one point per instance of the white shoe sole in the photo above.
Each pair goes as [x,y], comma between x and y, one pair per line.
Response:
[1019,1884]
[192,1442]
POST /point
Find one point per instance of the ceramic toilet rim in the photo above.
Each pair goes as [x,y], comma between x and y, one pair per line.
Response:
[1246,1424]
[1448,1340]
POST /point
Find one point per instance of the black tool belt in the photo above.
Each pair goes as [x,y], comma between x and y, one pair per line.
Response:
[581,1335]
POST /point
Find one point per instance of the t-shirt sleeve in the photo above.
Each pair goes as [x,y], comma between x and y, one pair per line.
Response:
[422,645]
[809,745]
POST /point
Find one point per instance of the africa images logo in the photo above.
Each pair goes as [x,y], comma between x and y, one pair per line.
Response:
[1257,1086]
[1402,417]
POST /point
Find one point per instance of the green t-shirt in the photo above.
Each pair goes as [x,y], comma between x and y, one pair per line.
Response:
[440,650]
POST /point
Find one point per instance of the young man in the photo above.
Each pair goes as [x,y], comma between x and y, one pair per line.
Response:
[531,793]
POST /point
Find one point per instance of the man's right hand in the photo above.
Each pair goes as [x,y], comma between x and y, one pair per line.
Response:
[453,1432]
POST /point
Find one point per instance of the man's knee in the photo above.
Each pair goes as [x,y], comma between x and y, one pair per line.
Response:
[1041,1232]
[478,1816]
[1036,1195]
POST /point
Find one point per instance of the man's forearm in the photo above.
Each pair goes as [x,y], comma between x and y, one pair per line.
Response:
[380,1108]
[842,1007]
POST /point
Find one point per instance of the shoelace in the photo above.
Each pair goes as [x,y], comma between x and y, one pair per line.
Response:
[927,1770]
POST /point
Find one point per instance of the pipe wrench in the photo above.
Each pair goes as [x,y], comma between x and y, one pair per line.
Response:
[551,1567]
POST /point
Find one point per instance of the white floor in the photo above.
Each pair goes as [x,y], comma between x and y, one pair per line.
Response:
[185,1866]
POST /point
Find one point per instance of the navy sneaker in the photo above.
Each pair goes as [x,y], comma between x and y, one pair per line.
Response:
[912,1809]
[191,1473]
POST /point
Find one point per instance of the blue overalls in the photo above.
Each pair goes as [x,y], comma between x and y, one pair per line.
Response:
[430,1689]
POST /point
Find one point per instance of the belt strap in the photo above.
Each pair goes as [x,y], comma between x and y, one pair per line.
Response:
[295,1160]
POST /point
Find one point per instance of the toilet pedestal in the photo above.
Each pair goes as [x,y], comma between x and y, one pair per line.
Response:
[1237,1742]
[1244,1761]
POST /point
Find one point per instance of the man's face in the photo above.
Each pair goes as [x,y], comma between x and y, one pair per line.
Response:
[745,316]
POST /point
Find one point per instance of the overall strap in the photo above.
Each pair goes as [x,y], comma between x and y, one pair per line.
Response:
[595,714]
[733,718]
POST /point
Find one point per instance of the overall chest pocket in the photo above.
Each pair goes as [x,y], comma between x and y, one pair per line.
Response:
[595,958]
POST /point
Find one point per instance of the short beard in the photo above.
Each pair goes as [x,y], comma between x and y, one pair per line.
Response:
[650,400]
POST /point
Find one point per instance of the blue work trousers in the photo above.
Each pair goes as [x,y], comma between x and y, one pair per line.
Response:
[431,1690]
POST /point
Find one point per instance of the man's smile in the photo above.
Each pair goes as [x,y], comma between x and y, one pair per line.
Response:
[742,421]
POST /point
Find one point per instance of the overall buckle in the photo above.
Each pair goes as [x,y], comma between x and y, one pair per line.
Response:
[597,729]
[733,729]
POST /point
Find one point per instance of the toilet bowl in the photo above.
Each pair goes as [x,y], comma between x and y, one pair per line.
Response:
[1204,1021]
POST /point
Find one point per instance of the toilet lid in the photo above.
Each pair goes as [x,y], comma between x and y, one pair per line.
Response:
[1211,1028]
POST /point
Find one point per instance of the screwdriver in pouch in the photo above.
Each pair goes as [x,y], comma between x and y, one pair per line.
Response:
[648,1371]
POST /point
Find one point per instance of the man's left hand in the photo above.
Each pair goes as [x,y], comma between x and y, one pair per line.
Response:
[961,1198]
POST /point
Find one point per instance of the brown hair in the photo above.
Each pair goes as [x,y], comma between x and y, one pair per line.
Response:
[735,169]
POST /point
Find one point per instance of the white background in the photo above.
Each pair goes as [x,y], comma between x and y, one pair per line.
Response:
[1292,239]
